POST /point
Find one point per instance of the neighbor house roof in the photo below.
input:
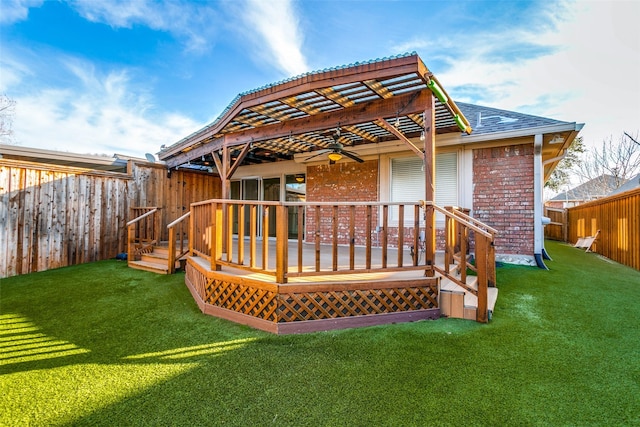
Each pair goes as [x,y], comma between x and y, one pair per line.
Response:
[631,184]
[61,158]
[594,189]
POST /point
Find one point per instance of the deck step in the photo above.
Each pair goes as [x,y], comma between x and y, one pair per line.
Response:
[457,302]
[153,267]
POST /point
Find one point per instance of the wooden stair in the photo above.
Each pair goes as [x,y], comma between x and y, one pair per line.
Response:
[459,303]
[157,261]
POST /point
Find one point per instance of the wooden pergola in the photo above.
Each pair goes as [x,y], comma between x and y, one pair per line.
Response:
[390,99]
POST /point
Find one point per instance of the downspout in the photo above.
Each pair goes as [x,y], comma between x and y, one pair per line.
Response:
[538,230]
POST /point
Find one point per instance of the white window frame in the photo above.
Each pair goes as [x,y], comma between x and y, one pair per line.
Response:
[387,184]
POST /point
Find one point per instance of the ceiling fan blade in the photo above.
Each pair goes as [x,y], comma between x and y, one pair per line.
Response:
[352,156]
[317,154]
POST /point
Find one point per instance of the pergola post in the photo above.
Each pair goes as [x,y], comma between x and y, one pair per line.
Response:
[226,193]
[429,160]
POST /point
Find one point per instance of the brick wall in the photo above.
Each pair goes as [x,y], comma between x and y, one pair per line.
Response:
[341,182]
[503,195]
[350,182]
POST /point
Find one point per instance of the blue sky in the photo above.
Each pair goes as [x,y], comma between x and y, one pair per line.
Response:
[105,77]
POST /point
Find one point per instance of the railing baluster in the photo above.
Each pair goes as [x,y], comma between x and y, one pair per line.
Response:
[368,233]
[229,226]
[300,236]
[265,238]
[385,228]
[463,252]
[400,235]
[253,232]
[352,236]
[317,237]
[334,240]
[416,235]
[241,232]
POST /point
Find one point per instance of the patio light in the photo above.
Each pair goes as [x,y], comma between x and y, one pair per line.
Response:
[437,91]
[334,157]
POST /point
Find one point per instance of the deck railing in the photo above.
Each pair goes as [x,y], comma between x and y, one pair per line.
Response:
[178,232]
[458,229]
[227,233]
[143,231]
[333,229]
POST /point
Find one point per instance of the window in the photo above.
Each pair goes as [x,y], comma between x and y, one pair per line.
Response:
[407,181]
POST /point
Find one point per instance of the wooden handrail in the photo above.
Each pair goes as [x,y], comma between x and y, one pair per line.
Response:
[182,218]
[473,220]
[460,220]
[144,215]
[133,236]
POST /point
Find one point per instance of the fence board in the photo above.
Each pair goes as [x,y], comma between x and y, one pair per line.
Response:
[617,218]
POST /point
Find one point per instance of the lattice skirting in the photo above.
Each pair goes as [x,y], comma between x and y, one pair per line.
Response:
[257,303]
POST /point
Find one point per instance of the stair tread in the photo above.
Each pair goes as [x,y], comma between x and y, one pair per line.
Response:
[149,265]
[470,300]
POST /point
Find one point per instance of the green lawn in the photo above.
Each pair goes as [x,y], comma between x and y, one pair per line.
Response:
[101,344]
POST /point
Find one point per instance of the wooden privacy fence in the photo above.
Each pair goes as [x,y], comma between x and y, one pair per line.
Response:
[53,216]
[557,228]
[618,219]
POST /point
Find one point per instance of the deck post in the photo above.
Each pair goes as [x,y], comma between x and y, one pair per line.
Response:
[429,161]
[282,244]
[482,244]
[171,259]
[215,236]
[131,237]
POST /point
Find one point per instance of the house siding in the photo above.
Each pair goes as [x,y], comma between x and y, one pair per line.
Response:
[503,195]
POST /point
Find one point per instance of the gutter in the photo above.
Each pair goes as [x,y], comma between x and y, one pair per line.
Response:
[539,252]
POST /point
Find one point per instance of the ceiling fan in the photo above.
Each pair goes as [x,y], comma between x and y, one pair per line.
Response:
[335,151]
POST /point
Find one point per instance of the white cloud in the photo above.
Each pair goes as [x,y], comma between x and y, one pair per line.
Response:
[582,65]
[16,10]
[195,24]
[274,30]
[102,113]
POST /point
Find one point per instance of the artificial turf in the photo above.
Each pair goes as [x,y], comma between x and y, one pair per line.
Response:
[102,344]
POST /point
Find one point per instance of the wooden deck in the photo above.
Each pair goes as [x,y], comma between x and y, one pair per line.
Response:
[326,300]
[352,274]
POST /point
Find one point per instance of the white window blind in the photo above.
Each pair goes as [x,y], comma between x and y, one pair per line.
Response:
[407,182]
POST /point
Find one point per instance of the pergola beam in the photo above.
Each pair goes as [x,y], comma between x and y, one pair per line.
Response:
[383,124]
[367,112]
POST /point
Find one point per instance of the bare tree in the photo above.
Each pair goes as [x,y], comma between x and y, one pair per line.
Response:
[7,113]
[612,164]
